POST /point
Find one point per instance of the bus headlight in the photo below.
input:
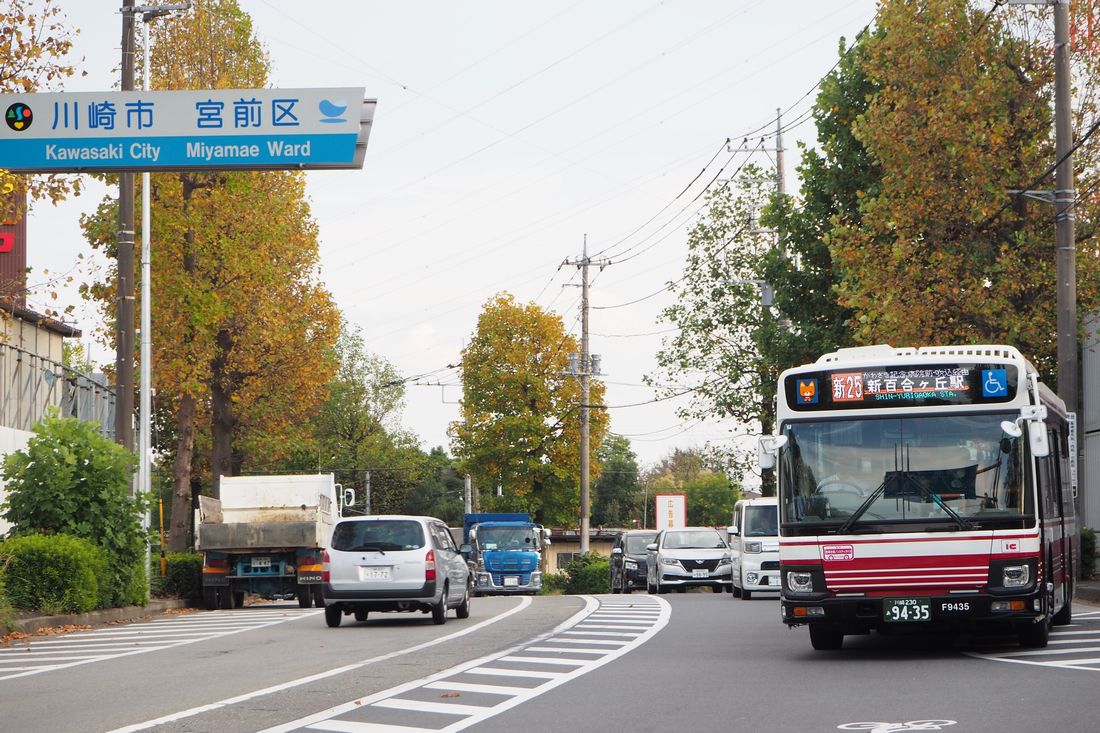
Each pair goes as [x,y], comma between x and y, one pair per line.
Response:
[1015,576]
[800,582]
[753,548]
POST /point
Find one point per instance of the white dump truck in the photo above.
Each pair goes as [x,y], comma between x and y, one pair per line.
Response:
[266,536]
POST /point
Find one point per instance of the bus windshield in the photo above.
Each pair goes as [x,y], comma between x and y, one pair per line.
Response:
[902,474]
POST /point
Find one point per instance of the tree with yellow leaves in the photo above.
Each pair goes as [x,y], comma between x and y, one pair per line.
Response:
[521,419]
[241,325]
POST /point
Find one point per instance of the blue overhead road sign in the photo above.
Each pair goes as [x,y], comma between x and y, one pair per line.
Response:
[176,130]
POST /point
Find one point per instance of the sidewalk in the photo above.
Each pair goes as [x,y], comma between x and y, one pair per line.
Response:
[1088,590]
[28,622]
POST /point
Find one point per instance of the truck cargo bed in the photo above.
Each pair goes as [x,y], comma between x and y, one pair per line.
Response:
[257,536]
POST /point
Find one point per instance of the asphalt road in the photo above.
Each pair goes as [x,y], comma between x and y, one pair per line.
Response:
[696,661]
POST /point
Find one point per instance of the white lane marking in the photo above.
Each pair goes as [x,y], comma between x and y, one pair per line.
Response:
[444,708]
[472,687]
[545,660]
[1069,644]
[560,650]
[158,637]
[505,672]
[350,726]
[328,719]
[624,634]
[525,601]
[594,642]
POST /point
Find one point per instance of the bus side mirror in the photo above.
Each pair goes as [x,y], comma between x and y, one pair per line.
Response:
[769,448]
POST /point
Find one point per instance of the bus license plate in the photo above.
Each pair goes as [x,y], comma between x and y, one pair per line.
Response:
[906,609]
[261,562]
[700,573]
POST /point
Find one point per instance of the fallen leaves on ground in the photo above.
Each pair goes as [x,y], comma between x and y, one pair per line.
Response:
[9,639]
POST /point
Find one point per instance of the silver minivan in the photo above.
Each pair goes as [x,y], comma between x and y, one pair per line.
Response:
[394,563]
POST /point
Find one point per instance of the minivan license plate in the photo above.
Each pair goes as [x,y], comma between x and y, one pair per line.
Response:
[700,573]
[906,609]
[374,572]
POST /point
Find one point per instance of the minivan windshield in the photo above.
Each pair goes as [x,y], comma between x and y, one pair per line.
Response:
[385,535]
[761,520]
[693,539]
[942,472]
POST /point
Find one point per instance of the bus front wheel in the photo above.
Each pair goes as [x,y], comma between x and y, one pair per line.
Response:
[824,638]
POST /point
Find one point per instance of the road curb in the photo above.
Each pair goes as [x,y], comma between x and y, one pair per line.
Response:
[29,624]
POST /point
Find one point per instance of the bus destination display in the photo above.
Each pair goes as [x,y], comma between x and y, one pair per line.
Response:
[942,384]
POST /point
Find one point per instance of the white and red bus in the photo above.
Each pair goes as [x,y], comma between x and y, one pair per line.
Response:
[923,488]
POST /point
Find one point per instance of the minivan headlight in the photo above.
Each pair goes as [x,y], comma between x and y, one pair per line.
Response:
[669,561]
[1015,576]
[799,582]
[630,565]
[753,548]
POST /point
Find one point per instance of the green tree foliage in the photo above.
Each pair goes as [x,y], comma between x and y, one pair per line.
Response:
[961,112]
[617,493]
[719,315]
[834,177]
[439,492]
[34,43]
[357,429]
[71,480]
[520,428]
[710,500]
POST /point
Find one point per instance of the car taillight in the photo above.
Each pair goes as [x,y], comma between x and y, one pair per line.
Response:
[324,567]
[429,565]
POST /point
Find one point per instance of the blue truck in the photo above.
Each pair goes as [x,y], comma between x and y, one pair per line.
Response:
[504,551]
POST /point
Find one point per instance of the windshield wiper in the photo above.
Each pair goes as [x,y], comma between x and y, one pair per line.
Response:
[935,498]
[371,548]
[851,520]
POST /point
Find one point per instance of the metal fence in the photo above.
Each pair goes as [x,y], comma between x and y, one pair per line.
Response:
[31,383]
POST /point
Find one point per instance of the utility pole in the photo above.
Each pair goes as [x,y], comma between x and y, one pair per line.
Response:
[780,180]
[124,325]
[1063,212]
[585,367]
[1062,198]
[366,493]
[467,498]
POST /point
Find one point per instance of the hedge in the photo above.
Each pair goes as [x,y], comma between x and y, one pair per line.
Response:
[588,574]
[182,578]
[55,573]
[1088,552]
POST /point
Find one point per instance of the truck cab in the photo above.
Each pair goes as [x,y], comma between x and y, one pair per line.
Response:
[754,546]
[504,552]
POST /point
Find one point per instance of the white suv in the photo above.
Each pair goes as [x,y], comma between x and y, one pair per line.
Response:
[394,563]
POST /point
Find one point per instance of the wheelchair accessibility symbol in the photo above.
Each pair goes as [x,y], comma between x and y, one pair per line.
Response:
[994,383]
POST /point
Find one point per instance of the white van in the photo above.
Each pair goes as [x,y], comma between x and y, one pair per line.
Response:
[754,546]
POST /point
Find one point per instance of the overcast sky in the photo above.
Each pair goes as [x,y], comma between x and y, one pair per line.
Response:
[505,132]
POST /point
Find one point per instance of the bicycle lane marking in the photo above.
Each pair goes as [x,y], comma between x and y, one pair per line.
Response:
[525,601]
[496,682]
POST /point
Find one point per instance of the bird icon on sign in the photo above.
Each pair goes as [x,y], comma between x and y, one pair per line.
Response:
[333,111]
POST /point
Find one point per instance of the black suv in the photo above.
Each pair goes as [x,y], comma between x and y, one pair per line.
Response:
[628,558]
